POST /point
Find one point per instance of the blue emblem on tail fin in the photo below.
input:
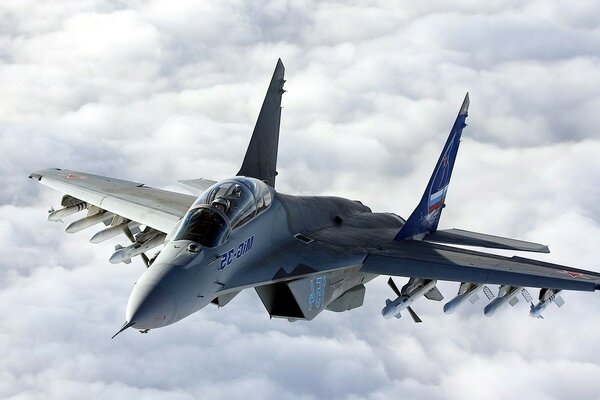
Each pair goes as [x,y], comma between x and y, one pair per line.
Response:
[425,218]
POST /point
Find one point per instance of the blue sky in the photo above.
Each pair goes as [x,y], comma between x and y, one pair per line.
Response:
[159,91]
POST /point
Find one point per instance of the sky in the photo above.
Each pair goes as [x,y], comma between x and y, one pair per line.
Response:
[157,91]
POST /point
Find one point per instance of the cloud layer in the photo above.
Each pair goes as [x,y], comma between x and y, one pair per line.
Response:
[159,91]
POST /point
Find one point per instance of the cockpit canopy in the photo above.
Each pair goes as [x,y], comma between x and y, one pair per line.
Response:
[224,206]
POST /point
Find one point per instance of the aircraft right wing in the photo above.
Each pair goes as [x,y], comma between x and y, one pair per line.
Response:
[124,207]
[156,208]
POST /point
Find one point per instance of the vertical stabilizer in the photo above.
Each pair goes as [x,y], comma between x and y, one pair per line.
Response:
[425,218]
[260,161]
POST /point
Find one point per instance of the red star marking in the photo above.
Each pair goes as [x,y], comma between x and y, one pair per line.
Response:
[573,274]
[73,176]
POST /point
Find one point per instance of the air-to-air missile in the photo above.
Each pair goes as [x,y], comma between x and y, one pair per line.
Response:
[546,297]
[58,215]
[404,301]
[506,294]
[113,231]
[465,291]
[86,222]
[125,254]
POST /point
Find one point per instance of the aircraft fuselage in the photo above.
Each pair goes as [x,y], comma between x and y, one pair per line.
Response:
[185,277]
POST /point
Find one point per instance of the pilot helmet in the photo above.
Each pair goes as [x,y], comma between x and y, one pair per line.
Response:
[221,203]
[236,191]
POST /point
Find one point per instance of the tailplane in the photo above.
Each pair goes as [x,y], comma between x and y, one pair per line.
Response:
[425,218]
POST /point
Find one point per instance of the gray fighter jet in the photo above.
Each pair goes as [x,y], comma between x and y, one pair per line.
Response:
[302,254]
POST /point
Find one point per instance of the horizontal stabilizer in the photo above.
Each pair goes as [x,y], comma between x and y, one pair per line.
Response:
[466,238]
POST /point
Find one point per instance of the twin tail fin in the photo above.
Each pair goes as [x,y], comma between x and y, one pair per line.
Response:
[426,216]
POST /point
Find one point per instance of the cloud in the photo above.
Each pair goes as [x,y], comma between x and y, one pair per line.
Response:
[161,91]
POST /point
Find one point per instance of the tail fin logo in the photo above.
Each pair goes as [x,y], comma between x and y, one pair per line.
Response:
[441,180]
[437,199]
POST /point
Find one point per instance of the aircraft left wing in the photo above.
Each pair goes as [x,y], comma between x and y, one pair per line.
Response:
[432,261]
[155,208]
[338,247]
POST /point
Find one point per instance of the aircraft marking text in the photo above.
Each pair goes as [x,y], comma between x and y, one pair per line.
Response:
[235,253]
[317,292]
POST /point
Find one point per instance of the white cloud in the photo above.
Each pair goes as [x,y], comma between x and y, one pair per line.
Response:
[158,91]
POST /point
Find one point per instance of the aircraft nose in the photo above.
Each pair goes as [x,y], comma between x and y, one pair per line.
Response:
[150,306]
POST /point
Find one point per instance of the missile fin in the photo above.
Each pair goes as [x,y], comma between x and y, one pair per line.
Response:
[559,301]
[146,260]
[473,299]
[434,294]
[392,284]
[414,315]
[488,293]
[526,295]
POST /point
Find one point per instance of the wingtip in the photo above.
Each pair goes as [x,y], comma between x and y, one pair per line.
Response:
[125,326]
[464,109]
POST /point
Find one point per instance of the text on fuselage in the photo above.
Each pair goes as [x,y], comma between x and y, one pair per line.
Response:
[236,252]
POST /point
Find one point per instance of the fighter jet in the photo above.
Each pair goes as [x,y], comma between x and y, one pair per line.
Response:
[301,254]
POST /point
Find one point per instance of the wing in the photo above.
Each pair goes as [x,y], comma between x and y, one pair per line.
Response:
[155,208]
[421,259]
[339,247]
[432,261]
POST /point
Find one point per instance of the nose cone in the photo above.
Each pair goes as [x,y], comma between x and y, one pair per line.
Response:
[150,306]
[388,311]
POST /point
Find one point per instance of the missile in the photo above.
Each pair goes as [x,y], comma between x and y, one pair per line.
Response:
[509,296]
[547,296]
[125,254]
[58,215]
[86,222]
[393,308]
[466,291]
[112,231]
